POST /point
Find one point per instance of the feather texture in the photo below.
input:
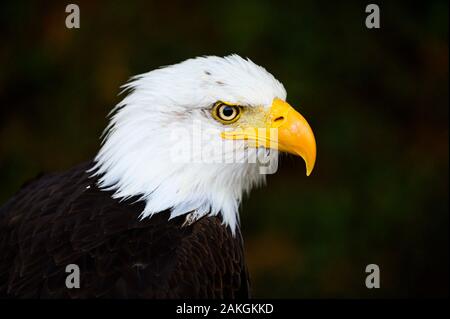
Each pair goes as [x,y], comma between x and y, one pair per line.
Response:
[63,218]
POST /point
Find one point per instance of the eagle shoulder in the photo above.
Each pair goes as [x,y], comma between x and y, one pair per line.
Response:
[61,219]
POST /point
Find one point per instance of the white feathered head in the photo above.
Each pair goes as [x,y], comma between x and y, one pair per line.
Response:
[194,136]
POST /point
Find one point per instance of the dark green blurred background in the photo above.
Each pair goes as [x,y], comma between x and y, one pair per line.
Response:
[377,101]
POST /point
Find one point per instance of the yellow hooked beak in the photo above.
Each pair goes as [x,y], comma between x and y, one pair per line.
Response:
[285,130]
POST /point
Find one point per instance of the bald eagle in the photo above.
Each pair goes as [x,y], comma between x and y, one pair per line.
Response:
[155,213]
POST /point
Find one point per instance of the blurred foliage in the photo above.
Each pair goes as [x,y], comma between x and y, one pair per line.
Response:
[376,99]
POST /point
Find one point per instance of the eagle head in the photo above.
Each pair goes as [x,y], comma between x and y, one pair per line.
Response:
[193,137]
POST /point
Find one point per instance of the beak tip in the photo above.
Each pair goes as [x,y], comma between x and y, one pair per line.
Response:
[309,168]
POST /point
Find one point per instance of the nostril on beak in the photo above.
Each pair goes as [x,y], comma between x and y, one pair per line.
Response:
[279,118]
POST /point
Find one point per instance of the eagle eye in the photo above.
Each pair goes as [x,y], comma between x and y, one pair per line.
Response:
[226,113]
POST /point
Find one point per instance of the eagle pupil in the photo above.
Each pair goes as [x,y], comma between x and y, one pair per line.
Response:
[228,111]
